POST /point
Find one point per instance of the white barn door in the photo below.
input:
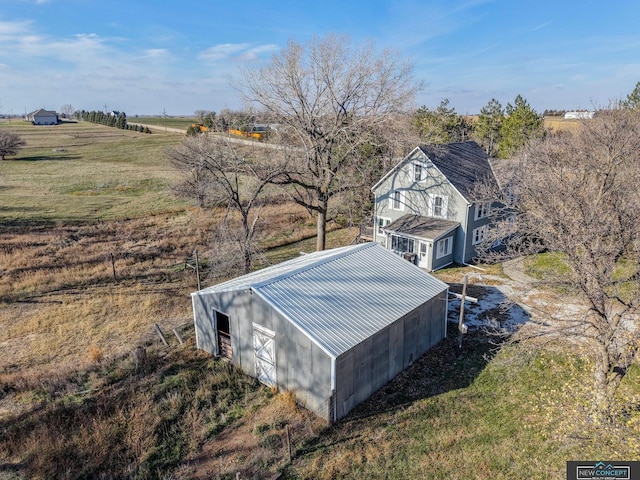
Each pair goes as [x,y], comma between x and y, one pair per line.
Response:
[264,346]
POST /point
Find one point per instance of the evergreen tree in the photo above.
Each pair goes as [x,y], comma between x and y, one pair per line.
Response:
[633,99]
[521,124]
[121,121]
[487,129]
[442,125]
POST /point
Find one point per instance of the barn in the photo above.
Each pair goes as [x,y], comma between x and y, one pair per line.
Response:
[331,326]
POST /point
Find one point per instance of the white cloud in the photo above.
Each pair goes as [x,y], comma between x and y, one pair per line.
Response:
[222,51]
[542,25]
[235,51]
[254,53]
[14,28]
[156,52]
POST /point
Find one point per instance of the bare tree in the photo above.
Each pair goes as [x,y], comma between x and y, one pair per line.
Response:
[577,195]
[201,115]
[10,143]
[217,173]
[330,99]
[67,110]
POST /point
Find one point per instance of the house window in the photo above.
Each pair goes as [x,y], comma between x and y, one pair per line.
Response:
[511,198]
[444,247]
[423,250]
[478,235]
[438,206]
[381,223]
[396,200]
[418,174]
[401,244]
[483,209]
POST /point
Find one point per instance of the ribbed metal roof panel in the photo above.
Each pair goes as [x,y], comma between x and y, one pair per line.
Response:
[341,297]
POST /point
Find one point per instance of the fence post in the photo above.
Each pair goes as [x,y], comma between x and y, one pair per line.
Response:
[195,252]
[113,267]
[177,334]
[162,337]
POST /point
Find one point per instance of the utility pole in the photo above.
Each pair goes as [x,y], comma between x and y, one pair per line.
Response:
[164,114]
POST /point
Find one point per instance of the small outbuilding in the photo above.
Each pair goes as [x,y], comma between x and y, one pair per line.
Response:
[332,326]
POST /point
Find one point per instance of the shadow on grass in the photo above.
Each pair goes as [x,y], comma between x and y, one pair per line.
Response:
[443,368]
[4,208]
[42,158]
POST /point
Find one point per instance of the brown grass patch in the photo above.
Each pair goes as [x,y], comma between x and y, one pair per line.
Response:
[257,445]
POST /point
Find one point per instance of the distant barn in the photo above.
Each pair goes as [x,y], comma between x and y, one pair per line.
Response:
[579,115]
[332,326]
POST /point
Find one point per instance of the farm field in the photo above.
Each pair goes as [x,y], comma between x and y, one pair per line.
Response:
[558,124]
[91,230]
[161,121]
[93,253]
[83,171]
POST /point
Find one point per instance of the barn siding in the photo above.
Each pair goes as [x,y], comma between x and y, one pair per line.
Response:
[374,362]
[230,303]
[301,366]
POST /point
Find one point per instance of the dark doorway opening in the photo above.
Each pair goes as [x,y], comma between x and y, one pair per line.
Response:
[224,335]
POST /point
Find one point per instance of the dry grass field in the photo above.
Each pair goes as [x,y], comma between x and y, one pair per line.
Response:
[78,203]
[559,124]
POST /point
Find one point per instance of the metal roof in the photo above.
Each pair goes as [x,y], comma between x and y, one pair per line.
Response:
[340,297]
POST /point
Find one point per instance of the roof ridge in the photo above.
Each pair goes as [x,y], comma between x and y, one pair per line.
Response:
[347,250]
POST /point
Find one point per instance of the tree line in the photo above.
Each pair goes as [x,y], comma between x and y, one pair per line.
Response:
[501,131]
[112,119]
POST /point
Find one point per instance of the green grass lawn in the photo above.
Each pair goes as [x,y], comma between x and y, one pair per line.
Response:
[81,171]
[160,121]
[463,417]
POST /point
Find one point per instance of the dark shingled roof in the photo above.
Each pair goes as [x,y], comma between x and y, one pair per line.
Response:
[422,227]
[464,164]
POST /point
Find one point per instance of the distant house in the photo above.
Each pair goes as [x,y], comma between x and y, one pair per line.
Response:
[43,117]
[426,207]
[332,326]
[579,115]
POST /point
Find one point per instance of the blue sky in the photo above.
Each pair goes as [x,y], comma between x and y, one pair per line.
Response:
[146,57]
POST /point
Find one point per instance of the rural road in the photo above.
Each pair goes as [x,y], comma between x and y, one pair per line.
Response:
[244,141]
[158,128]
